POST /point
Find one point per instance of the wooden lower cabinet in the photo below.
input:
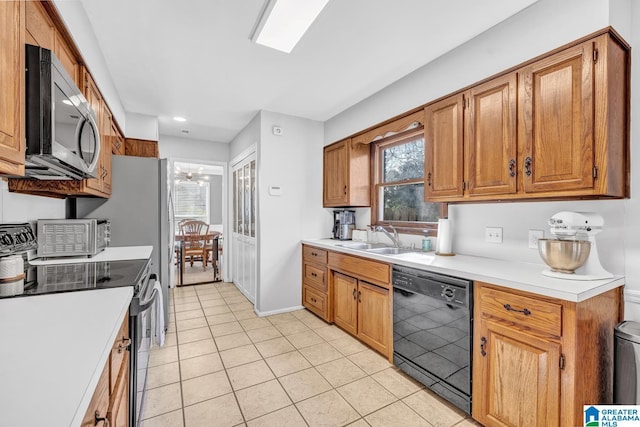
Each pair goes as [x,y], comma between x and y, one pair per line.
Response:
[351,292]
[110,403]
[315,289]
[345,306]
[363,310]
[520,378]
[538,360]
[374,312]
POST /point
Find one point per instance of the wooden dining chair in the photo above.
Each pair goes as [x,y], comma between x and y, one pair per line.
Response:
[194,241]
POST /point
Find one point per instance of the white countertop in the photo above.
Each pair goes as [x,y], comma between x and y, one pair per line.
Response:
[516,275]
[54,348]
[118,253]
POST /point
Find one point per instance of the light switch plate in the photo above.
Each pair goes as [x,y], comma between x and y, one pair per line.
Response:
[534,235]
[493,234]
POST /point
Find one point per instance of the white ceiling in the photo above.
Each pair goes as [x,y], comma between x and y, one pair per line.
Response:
[193,58]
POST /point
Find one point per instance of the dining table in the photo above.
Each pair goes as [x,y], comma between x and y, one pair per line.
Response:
[180,240]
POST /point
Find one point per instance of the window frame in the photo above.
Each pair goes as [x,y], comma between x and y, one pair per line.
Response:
[377,147]
[207,203]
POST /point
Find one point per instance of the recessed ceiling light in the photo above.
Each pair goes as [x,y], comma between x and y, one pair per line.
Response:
[179,119]
[282,23]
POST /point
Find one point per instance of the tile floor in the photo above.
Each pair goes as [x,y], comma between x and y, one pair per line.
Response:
[224,366]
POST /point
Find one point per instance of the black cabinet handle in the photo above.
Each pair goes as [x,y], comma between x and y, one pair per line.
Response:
[99,419]
[483,344]
[527,166]
[359,296]
[354,293]
[429,179]
[345,189]
[124,345]
[314,275]
[524,311]
[512,168]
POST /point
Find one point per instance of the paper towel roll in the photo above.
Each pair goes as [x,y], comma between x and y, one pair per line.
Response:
[445,237]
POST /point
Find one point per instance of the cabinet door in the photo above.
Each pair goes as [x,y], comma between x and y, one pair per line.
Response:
[444,148]
[490,138]
[556,121]
[106,147]
[516,377]
[12,147]
[336,164]
[94,98]
[40,29]
[374,316]
[118,413]
[67,57]
[345,304]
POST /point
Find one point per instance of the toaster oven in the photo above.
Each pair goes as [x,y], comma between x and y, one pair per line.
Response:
[72,237]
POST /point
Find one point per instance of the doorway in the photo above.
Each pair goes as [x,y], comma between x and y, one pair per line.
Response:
[198,191]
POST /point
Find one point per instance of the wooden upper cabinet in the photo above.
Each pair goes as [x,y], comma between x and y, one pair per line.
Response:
[12,145]
[141,148]
[556,128]
[443,139]
[67,57]
[40,29]
[346,175]
[94,98]
[490,137]
[556,121]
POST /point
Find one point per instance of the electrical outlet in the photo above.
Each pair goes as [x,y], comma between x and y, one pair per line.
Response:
[534,235]
[493,234]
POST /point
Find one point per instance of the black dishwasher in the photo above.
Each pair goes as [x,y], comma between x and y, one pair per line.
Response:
[432,331]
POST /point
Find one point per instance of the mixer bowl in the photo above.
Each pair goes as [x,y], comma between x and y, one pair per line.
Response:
[564,256]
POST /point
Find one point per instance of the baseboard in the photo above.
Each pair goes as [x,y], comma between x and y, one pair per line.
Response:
[632,296]
[280,311]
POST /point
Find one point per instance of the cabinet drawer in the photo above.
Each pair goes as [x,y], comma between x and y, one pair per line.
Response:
[528,313]
[372,271]
[118,352]
[315,276]
[314,254]
[315,301]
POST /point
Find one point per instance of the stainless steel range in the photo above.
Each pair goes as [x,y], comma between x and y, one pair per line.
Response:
[85,275]
[432,331]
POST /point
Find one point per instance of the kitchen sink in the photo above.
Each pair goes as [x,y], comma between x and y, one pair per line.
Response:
[390,251]
[362,246]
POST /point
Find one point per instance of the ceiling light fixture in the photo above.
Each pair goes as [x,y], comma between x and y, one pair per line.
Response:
[179,119]
[282,23]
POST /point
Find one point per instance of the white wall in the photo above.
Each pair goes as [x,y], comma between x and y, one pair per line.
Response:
[192,149]
[25,208]
[141,126]
[544,26]
[248,136]
[291,162]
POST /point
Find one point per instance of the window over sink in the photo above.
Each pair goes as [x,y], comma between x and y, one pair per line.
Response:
[398,184]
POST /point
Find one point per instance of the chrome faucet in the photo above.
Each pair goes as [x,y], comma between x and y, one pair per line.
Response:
[394,238]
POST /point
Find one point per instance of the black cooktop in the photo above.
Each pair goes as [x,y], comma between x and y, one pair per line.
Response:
[54,278]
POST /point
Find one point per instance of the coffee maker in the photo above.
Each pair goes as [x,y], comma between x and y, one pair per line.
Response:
[344,221]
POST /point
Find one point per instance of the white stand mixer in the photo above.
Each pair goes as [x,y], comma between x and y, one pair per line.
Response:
[576,226]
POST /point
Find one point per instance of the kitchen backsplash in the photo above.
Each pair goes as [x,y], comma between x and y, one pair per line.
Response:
[21,207]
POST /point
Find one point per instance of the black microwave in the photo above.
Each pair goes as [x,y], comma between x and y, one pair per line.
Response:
[62,137]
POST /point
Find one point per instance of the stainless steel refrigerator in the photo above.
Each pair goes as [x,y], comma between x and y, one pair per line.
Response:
[140,210]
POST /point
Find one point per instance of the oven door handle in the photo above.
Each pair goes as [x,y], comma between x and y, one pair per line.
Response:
[138,307]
